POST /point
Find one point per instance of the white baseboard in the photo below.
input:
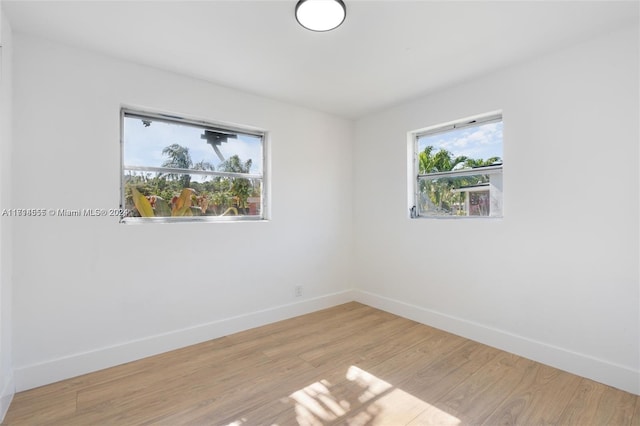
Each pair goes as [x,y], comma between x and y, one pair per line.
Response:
[601,371]
[31,376]
[6,395]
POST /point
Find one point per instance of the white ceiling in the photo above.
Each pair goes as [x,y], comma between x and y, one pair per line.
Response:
[385,52]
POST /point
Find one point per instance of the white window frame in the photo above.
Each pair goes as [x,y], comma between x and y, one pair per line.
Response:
[414,177]
[205,125]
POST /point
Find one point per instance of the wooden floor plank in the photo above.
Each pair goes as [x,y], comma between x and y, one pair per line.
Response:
[475,399]
[315,323]
[433,347]
[43,409]
[600,404]
[223,400]
[435,380]
[364,343]
[323,337]
[347,365]
[635,419]
[532,402]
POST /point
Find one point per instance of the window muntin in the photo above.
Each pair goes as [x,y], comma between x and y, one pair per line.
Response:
[175,169]
[458,169]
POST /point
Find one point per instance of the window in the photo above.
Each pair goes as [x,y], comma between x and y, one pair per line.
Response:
[174,169]
[457,169]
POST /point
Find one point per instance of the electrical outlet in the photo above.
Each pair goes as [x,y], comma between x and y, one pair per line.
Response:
[298,291]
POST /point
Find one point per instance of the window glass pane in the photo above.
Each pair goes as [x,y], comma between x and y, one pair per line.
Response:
[225,177]
[478,146]
[150,143]
[207,195]
[459,170]
[460,196]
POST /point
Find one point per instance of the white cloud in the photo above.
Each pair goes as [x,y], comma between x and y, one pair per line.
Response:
[480,142]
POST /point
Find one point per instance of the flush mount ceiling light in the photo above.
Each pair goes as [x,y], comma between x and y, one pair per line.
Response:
[320,15]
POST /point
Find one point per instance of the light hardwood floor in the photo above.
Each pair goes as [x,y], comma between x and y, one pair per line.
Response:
[351,364]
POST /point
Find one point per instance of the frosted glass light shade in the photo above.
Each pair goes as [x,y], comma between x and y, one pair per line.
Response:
[320,15]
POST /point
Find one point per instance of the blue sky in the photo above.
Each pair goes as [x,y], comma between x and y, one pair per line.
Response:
[143,145]
[481,142]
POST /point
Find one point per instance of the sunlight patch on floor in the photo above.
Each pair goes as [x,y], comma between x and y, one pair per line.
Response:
[364,399]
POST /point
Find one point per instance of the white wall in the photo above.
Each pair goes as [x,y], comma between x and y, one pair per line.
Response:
[556,280]
[6,370]
[90,292]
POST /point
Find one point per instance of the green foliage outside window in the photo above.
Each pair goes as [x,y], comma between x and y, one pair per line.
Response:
[446,194]
[150,194]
